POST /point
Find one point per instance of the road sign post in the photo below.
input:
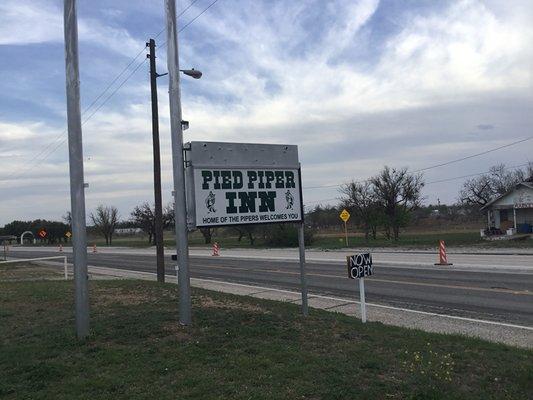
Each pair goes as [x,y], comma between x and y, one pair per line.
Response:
[362,299]
[345,216]
[359,266]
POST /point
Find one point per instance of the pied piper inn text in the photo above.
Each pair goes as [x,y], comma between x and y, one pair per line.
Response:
[241,196]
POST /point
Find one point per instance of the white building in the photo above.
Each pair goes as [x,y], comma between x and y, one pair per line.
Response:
[513,210]
[128,231]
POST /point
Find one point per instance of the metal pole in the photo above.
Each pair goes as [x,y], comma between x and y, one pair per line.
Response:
[346,233]
[362,298]
[77,193]
[303,278]
[176,133]
[65,268]
[160,252]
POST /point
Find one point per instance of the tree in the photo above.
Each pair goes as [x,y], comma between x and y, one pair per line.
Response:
[68,218]
[207,233]
[105,220]
[324,217]
[245,230]
[398,192]
[499,180]
[55,230]
[143,217]
[285,235]
[362,202]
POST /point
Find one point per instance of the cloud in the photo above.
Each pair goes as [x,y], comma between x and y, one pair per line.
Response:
[305,73]
[485,127]
[24,22]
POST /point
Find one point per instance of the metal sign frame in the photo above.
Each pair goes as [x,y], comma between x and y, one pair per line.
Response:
[235,156]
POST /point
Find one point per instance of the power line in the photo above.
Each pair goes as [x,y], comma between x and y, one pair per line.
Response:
[61,142]
[62,134]
[440,180]
[37,159]
[471,175]
[179,15]
[474,155]
[190,22]
[198,16]
[436,165]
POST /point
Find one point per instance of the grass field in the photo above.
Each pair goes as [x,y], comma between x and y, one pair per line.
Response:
[238,348]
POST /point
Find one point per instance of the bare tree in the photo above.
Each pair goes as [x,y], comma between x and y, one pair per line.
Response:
[361,200]
[398,192]
[245,230]
[143,216]
[207,233]
[105,219]
[68,218]
[499,180]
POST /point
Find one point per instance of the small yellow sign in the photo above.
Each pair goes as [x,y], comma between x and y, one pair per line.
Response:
[345,215]
[68,234]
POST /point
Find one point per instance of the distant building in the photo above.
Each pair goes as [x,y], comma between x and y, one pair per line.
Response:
[511,212]
[128,231]
[8,239]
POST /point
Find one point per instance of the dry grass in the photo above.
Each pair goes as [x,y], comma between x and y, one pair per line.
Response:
[12,272]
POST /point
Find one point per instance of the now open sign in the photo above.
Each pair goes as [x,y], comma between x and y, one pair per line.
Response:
[359,265]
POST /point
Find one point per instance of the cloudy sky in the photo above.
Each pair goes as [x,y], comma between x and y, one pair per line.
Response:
[355,84]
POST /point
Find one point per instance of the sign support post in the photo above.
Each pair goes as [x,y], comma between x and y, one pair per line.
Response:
[346,232]
[345,216]
[303,277]
[362,298]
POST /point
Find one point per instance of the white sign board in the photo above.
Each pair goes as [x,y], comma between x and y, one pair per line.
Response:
[238,184]
[246,196]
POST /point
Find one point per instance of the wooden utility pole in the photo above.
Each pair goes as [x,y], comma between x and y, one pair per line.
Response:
[160,252]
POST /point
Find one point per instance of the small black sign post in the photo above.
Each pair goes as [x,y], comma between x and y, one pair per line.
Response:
[359,266]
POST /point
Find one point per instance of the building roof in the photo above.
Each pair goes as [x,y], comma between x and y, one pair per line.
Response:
[527,184]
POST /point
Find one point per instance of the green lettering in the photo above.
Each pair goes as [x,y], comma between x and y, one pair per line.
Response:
[208,177]
[267,201]
[231,196]
[247,202]
[226,179]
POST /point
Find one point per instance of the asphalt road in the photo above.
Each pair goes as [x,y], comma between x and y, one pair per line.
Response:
[503,296]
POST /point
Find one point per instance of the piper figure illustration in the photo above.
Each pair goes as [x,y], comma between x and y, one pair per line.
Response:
[290,200]
[210,202]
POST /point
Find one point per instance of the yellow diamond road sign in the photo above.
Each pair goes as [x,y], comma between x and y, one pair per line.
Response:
[345,215]
[68,234]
